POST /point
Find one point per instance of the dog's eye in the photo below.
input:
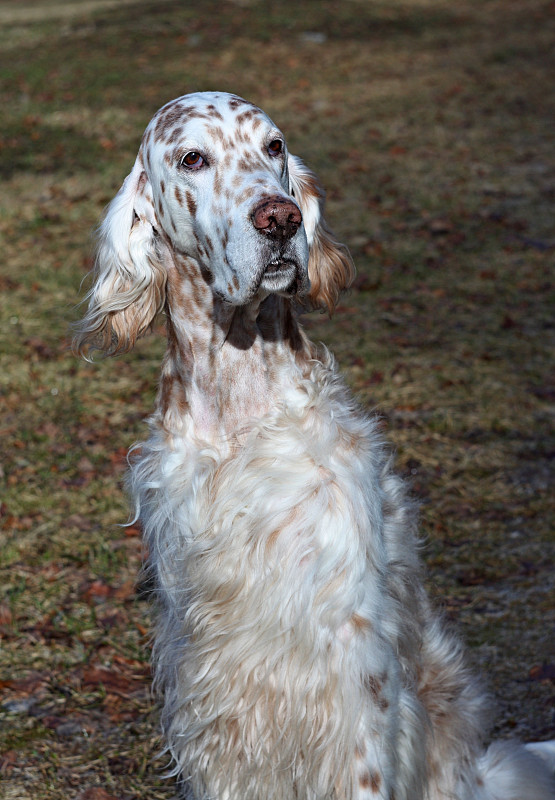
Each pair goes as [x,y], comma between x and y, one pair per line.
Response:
[275,148]
[192,160]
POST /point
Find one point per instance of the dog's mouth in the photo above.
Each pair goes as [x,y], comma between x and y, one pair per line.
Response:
[283,275]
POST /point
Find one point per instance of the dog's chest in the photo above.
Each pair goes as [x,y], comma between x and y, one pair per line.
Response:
[286,526]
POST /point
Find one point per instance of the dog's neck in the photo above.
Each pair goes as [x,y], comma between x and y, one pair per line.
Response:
[225,365]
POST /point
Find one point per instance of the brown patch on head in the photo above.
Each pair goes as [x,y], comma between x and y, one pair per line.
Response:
[244,116]
[236,281]
[141,183]
[243,137]
[234,102]
[214,111]
[216,132]
[246,194]
[162,187]
[170,115]
[217,184]
[191,205]
[147,136]
[176,134]
[178,195]
[245,163]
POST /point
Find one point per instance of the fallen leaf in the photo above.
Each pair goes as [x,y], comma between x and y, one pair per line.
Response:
[543,672]
[96,793]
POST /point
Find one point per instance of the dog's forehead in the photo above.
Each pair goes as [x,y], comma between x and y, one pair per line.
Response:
[220,116]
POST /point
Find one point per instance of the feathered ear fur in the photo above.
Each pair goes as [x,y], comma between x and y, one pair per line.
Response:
[129,281]
[330,267]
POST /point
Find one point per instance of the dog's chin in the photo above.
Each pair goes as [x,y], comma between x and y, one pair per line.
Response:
[285,277]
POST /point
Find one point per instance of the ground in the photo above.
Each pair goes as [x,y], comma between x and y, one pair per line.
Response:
[430,122]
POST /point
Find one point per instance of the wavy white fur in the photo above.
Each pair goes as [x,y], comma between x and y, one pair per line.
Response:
[295,649]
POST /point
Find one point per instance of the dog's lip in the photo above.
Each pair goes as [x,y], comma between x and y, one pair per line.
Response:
[278,273]
[277,264]
[284,276]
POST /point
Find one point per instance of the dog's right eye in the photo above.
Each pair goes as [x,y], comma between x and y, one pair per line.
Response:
[192,160]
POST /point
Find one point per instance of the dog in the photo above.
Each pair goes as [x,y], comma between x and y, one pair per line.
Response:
[295,649]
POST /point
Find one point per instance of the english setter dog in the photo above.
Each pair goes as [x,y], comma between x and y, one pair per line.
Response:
[295,649]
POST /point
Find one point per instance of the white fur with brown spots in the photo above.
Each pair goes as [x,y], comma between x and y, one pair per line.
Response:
[296,653]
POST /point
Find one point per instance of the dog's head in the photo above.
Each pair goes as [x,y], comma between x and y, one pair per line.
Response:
[214,182]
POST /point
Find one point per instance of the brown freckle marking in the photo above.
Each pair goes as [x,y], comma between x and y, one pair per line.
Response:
[244,116]
[230,288]
[175,135]
[246,194]
[360,750]
[371,780]
[236,281]
[217,183]
[162,187]
[178,195]
[191,205]
[214,111]
[209,244]
[373,685]
[141,182]
[360,623]
[216,132]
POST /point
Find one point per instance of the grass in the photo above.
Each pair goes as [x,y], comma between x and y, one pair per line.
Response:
[430,124]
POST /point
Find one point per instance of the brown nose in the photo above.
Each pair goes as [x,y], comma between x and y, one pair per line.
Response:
[277,218]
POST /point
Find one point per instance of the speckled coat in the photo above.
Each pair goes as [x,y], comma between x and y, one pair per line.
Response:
[295,650]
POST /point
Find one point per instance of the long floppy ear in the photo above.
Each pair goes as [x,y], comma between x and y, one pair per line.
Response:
[129,281]
[330,267]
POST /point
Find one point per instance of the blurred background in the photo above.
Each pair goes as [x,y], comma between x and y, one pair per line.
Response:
[431,125]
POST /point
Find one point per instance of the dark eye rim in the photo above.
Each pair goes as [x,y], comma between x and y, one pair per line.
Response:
[275,153]
[199,162]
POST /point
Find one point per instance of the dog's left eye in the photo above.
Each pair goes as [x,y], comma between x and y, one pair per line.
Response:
[275,148]
[192,160]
